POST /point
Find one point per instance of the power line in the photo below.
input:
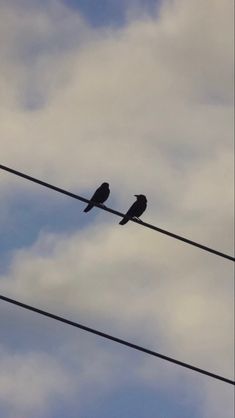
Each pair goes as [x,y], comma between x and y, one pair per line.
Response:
[116,340]
[115,212]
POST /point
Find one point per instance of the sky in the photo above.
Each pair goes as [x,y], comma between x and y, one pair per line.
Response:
[139,94]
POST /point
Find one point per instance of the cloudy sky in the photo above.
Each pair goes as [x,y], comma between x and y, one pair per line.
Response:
[138,93]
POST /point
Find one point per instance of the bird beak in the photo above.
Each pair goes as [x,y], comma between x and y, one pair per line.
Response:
[136,195]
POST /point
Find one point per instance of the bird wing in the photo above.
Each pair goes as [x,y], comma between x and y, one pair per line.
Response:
[140,209]
[96,195]
[132,210]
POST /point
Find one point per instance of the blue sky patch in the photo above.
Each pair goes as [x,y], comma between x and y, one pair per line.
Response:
[110,12]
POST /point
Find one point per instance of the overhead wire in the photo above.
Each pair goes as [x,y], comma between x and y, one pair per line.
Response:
[117,340]
[115,212]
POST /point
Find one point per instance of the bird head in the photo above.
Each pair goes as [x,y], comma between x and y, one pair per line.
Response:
[105,184]
[140,197]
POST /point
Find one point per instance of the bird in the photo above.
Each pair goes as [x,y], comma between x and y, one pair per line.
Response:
[136,209]
[100,196]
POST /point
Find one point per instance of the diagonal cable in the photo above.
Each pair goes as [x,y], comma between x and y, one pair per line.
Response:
[117,340]
[115,212]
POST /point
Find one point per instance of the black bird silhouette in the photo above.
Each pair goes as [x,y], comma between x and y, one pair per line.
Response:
[136,209]
[100,195]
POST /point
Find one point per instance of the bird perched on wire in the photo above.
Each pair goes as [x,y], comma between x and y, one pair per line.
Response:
[136,209]
[100,196]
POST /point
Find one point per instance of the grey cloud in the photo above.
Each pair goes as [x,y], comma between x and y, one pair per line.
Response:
[138,96]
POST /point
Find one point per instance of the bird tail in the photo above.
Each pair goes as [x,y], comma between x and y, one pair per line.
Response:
[89,207]
[124,221]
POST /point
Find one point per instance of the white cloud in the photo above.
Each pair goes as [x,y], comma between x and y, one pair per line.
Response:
[148,107]
[75,372]
[29,380]
[108,101]
[124,283]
